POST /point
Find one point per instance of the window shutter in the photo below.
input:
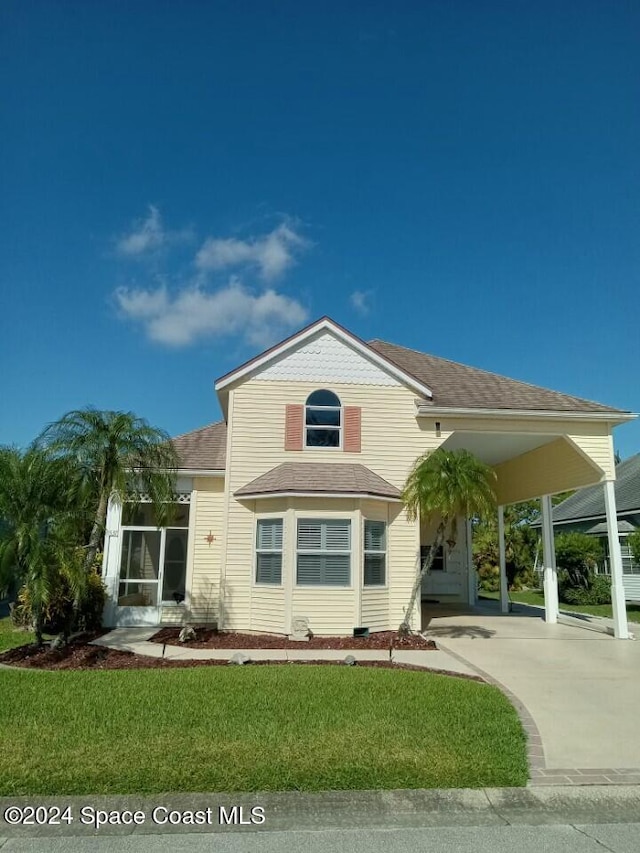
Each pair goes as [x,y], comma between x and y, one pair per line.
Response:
[270,534]
[352,429]
[309,535]
[374,535]
[337,535]
[294,416]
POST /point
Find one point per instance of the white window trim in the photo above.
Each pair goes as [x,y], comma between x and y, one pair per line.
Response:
[338,429]
[368,553]
[256,551]
[318,520]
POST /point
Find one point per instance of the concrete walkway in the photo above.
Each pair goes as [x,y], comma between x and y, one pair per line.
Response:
[580,687]
[136,640]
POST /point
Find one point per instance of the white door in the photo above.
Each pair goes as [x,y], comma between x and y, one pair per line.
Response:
[139,590]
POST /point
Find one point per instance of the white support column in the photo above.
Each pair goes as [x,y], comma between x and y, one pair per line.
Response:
[111,560]
[550,583]
[504,592]
[620,626]
[472,578]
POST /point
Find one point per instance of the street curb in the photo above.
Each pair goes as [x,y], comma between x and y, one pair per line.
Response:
[284,811]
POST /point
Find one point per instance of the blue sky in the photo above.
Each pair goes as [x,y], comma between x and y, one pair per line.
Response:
[184,183]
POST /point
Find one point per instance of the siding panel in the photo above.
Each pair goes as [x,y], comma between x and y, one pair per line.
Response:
[205,581]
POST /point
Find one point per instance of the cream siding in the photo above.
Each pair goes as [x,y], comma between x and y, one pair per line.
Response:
[173,615]
[555,467]
[375,609]
[268,603]
[329,611]
[598,449]
[268,610]
[205,574]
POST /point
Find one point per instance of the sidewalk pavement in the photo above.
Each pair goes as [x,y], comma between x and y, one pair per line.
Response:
[290,811]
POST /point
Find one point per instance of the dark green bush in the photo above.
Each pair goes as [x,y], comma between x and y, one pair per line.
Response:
[596,591]
[59,615]
[489,577]
[526,579]
[577,554]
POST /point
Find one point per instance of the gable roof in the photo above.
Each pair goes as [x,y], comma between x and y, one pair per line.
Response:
[319,478]
[589,502]
[203,449]
[324,324]
[458,385]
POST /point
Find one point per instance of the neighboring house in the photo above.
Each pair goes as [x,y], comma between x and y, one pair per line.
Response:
[585,512]
[290,508]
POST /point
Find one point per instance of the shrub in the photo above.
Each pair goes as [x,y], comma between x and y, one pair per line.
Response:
[597,590]
[526,579]
[59,615]
[489,577]
[577,554]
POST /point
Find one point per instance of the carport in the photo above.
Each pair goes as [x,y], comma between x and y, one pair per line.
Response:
[535,455]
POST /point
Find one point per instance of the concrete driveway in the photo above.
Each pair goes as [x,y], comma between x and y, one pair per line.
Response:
[581,686]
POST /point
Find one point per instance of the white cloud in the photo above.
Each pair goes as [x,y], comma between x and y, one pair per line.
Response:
[194,313]
[272,254]
[148,236]
[360,301]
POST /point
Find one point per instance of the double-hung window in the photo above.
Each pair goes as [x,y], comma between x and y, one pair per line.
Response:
[375,553]
[269,551]
[323,552]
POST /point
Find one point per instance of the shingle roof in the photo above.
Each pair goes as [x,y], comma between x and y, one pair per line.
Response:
[455,384]
[603,527]
[203,449]
[321,478]
[589,502]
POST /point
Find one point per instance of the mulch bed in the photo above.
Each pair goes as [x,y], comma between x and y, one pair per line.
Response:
[79,655]
[208,638]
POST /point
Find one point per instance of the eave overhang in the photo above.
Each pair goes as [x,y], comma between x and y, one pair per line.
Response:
[613,417]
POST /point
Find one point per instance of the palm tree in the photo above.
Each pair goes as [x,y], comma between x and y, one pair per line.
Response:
[119,455]
[445,484]
[39,512]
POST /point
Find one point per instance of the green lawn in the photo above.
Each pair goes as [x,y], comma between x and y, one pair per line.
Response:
[536,597]
[10,637]
[253,728]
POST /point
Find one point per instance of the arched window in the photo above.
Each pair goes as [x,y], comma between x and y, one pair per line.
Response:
[323,420]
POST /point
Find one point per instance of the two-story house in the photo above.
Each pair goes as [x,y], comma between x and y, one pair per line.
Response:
[290,508]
